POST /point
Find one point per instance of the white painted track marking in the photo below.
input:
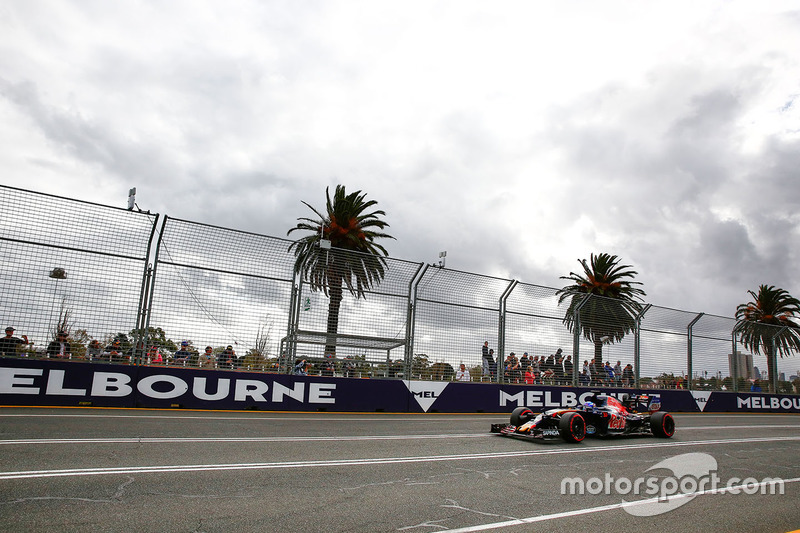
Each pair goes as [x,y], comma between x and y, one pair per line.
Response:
[374,461]
[151,440]
[162,440]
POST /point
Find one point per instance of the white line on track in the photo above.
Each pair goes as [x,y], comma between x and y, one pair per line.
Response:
[374,461]
[203,440]
[162,440]
[602,508]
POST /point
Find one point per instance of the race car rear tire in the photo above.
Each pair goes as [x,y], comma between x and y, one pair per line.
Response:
[521,415]
[662,424]
[572,427]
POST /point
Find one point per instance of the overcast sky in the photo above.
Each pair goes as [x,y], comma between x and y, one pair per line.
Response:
[517,136]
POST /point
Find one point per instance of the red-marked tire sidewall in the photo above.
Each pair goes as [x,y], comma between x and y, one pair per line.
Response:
[662,424]
[572,427]
[521,415]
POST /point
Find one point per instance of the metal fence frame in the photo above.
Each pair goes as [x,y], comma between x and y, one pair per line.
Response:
[419,322]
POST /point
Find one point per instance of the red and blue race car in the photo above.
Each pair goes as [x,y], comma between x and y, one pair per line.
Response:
[602,415]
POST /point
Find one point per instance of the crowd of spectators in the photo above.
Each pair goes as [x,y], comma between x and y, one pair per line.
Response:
[554,369]
[116,352]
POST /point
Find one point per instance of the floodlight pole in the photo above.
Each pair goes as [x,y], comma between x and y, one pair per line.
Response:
[57,273]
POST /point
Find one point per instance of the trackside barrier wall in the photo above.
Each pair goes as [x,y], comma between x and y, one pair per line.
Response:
[61,383]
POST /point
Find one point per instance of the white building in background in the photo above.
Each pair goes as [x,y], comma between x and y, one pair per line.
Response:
[744,366]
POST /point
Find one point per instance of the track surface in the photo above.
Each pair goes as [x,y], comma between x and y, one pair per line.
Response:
[136,470]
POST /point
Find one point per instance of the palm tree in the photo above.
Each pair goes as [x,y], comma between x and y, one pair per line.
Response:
[766,323]
[611,310]
[354,259]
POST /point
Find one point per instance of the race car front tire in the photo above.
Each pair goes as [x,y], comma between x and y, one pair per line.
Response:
[662,424]
[572,427]
[521,415]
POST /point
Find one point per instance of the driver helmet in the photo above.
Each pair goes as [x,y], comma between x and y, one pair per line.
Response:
[589,405]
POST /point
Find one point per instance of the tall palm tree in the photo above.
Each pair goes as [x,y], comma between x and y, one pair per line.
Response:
[760,324]
[611,310]
[354,259]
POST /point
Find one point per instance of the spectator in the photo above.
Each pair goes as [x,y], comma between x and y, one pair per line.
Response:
[94,352]
[207,359]
[609,373]
[529,376]
[507,369]
[486,359]
[60,347]
[568,369]
[627,375]
[559,370]
[618,374]
[598,374]
[227,359]
[462,374]
[549,369]
[328,368]
[511,369]
[113,351]
[550,364]
[183,354]
[557,366]
[300,368]
[585,377]
[349,367]
[524,364]
[756,386]
[10,345]
[154,356]
[536,369]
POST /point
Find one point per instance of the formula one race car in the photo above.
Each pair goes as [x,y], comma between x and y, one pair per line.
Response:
[601,416]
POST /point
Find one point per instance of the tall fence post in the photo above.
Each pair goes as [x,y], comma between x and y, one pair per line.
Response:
[576,332]
[689,365]
[411,318]
[145,296]
[637,346]
[501,330]
[294,324]
[152,269]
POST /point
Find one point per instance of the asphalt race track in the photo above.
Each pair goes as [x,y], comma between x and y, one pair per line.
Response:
[138,470]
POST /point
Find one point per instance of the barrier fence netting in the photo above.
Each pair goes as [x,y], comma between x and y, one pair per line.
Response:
[136,288]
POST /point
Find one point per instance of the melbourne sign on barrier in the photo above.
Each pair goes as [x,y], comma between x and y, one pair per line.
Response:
[66,383]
